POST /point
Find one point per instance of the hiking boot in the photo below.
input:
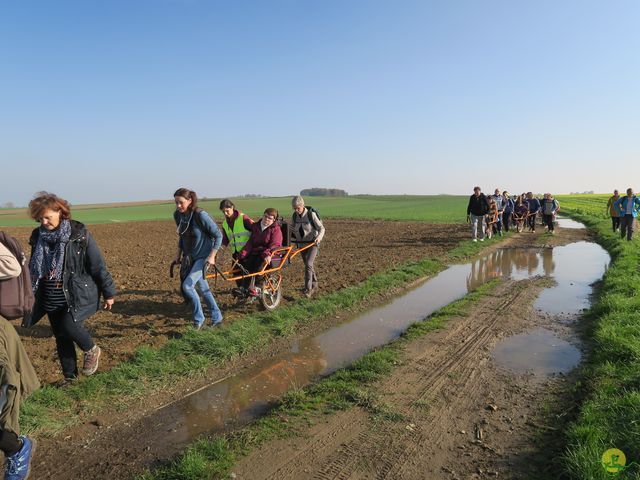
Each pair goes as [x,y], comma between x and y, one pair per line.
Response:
[239,292]
[19,464]
[65,382]
[90,364]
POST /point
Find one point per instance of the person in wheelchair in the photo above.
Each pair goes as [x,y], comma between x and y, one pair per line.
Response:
[266,236]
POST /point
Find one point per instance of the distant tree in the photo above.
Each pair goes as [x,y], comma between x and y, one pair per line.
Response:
[8,205]
[323,192]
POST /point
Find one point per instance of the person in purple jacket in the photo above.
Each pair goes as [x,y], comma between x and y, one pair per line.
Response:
[266,236]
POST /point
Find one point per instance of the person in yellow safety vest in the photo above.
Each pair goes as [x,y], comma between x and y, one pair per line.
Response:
[234,234]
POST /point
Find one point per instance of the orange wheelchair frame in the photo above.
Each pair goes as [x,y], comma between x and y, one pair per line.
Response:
[270,274]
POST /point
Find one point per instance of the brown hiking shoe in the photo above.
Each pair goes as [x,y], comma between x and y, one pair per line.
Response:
[91,358]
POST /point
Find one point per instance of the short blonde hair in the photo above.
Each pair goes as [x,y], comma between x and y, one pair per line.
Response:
[297,201]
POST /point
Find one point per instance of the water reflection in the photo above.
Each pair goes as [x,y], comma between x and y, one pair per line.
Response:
[539,352]
[249,394]
[245,396]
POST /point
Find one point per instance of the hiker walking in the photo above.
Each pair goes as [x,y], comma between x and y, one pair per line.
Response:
[534,206]
[236,227]
[198,244]
[509,206]
[628,208]
[613,212]
[307,227]
[549,208]
[499,201]
[476,210]
[17,381]
[68,276]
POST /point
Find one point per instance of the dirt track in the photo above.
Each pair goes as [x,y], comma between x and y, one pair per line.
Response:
[446,390]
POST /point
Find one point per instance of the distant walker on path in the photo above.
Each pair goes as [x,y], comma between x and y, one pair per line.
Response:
[628,207]
[476,210]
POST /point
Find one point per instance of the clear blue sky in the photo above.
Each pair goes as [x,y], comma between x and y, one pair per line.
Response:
[128,100]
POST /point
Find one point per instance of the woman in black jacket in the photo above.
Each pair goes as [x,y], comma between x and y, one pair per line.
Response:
[68,275]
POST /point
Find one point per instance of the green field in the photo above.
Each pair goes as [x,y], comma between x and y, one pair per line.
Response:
[437,209]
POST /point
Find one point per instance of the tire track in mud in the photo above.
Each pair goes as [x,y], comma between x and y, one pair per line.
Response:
[462,357]
[358,456]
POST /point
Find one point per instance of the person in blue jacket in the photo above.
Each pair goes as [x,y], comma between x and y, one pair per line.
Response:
[200,239]
[534,206]
[509,207]
[628,207]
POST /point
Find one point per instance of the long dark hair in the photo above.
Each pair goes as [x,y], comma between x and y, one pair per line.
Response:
[189,195]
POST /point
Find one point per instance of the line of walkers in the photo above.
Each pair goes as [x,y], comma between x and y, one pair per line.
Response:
[624,212]
[251,244]
[495,214]
[68,276]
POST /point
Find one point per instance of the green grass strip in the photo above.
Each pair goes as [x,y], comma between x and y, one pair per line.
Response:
[214,457]
[610,413]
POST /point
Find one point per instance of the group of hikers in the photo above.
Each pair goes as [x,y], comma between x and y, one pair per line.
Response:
[68,277]
[623,212]
[494,214]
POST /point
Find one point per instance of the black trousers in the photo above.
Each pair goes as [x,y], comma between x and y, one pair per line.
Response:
[68,334]
[615,223]
[548,221]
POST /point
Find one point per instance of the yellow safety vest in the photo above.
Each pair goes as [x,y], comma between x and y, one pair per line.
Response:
[239,236]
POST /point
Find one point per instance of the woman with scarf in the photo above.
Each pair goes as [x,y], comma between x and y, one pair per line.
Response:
[68,276]
[200,240]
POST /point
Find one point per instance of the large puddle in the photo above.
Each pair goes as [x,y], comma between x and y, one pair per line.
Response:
[244,396]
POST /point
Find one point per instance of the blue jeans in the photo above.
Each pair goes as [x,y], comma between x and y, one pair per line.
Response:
[194,279]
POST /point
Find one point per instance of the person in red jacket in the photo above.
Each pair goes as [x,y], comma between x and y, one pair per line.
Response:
[266,236]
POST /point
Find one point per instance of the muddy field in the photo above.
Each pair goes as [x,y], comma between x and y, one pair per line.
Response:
[149,308]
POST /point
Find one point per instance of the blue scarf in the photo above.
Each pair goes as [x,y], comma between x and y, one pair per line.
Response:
[47,260]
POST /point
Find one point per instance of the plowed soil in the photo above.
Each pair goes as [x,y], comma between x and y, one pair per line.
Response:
[149,307]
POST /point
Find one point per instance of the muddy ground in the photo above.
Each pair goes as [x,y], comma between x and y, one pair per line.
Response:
[446,388]
[149,308]
[464,417]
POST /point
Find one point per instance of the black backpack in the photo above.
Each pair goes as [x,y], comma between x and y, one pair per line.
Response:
[16,295]
[310,210]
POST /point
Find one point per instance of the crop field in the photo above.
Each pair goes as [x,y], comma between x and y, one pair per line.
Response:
[434,209]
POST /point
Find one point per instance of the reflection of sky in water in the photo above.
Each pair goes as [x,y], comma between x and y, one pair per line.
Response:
[578,266]
[568,223]
[246,395]
[539,352]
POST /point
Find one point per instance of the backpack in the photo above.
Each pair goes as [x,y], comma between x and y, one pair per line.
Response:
[285,228]
[16,295]
[311,221]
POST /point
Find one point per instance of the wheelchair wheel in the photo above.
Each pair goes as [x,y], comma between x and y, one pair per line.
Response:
[271,291]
